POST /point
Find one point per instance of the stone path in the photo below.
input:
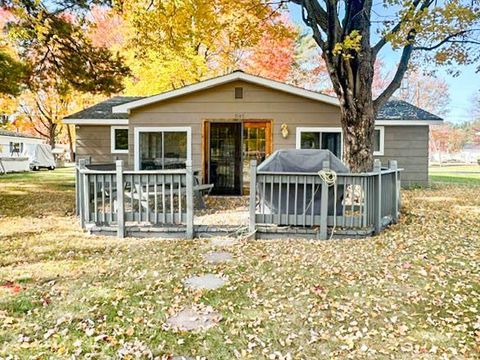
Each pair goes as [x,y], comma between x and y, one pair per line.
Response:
[197,318]
[223,242]
[190,319]
[217,257]
[205,282]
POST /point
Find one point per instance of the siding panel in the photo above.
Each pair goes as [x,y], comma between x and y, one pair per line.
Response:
[406,144]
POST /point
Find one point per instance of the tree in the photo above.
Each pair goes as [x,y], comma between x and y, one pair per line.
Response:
[308,68]
[442,30]
[272,57]
[183,41]
[447,138]
[428,92]
[44,109]
[50,43]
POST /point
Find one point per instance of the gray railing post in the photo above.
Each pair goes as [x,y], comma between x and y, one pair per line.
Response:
[324,206]
[253,196]
[190,205]
[120,200]
[377,168]
[86,194]
[77,188]
[392,165]
[80,183]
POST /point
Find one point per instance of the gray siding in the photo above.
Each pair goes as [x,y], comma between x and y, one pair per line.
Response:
[93,142]
[219,104]
[407,144]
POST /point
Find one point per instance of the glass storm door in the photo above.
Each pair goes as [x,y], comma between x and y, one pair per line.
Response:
[224,169]
[256,146]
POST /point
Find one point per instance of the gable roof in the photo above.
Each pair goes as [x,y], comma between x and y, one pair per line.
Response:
[220,80]
[18,134]
[114,111]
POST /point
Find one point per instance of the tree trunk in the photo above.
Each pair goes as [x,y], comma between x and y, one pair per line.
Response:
[70,143]
[358,125]
[52,134]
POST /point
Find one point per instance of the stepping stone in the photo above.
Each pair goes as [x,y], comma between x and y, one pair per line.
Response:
[183,358]
[223,242]
[190,319]
[205,282]
[217,257]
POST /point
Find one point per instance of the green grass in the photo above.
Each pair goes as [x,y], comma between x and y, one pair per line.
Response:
[455,174]
[411,292]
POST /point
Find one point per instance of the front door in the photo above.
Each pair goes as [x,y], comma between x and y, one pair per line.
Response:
[257,145]
[225,158]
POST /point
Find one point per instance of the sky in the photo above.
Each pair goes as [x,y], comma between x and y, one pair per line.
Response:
[462,87]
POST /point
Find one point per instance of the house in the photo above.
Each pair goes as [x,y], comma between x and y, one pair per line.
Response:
[14,143]
[222,123]
[13,146]
[470,153]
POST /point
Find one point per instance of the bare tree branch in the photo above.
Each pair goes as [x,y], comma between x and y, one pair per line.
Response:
[397,79]
[448,39]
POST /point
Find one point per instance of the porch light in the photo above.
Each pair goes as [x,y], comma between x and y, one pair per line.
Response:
[284,130]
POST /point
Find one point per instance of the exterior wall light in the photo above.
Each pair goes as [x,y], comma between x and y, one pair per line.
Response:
[284,130]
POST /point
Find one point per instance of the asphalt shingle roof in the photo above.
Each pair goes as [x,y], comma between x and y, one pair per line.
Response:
[103,110]
[392,110]
[17,134]
[402,110]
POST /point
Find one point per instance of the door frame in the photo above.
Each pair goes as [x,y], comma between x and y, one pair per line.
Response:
[205,149]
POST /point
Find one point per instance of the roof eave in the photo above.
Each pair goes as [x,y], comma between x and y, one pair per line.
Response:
[407,122]
[95,121]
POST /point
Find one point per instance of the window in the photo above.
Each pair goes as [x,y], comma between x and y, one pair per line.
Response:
[332,139]
[162,148]
[119,139]
[16,148]
[378,141]
[321,138]
[238,93]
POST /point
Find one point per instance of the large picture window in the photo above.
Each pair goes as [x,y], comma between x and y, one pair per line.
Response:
[331,138]
[162,148]
[321,138]
[119,139]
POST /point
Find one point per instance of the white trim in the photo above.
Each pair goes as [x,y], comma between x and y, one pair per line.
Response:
[382,141]
[406,122]
[138,130]
[112,140]
[96,121]
[125,108]
[301,129]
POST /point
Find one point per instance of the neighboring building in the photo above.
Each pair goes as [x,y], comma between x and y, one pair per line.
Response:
[470,153]
[223,123]
[14,143]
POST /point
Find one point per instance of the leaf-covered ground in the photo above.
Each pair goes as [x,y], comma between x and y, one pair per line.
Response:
[412,292]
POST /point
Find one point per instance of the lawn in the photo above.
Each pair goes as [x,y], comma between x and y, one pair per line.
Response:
[455,174]
[412,292]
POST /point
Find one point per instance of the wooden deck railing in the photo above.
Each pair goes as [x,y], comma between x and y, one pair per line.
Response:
[356,201]
[106,197]
[366,202]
